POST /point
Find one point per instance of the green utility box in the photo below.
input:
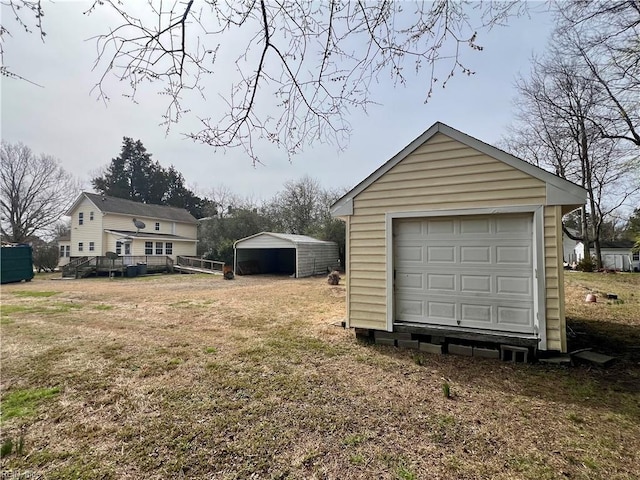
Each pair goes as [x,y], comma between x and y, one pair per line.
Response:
[16,264]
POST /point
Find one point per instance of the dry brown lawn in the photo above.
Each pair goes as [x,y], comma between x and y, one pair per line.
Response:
[190,376]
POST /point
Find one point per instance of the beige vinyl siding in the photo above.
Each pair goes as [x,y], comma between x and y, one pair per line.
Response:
[115,221]
[184,230]
[89,231]
[187,249]
[442,174]
[554,279]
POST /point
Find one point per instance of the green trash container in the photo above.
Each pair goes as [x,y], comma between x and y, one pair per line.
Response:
[16,263]
[132,270]
[142,269]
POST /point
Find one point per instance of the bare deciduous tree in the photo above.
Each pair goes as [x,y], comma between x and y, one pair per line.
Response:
[605,38]
[554,130]
[35,192]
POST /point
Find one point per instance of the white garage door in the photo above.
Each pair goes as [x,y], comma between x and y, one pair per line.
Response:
[468,271]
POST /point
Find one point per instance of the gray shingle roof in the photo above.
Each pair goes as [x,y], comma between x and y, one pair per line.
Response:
[136,209]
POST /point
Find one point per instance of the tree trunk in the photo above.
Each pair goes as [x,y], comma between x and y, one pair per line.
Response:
[585,231]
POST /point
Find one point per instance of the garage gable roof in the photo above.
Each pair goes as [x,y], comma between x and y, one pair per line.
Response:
[286,237]
[559,191]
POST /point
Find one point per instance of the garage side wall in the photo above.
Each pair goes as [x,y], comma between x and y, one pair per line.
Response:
[442,174]
[554,276]
[316,258]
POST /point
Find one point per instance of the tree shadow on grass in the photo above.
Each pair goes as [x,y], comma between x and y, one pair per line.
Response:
[612,389]
[611,338]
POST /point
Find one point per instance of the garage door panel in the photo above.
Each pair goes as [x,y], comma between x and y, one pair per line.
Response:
[443,281]
[410,280]
[475,254]
[513,254]
[474,226]
[441,254]
[408,228]
[439,227]
[409,253]
[476,313]
[442,310]
[514,316]
[509,284]
[472,272]
[514,224]
[475,283]
[410,309]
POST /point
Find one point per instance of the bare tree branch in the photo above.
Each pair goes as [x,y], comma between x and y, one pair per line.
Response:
[35,192]
[316,60]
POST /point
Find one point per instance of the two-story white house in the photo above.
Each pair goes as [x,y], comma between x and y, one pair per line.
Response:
[101,224]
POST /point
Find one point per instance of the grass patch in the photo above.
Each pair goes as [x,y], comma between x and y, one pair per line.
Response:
[354,440]
[23,403]
[26,293]
[403,473]
[264,385]
[102,306]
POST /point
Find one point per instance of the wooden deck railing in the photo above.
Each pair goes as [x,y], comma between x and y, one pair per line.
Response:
[106,264]
[196,262]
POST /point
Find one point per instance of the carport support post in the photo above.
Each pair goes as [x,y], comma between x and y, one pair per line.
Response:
[235,260]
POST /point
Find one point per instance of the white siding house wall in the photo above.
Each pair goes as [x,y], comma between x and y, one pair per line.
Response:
[89,231]
[100,228]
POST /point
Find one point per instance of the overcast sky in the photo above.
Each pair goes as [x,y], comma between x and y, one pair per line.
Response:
[62,118]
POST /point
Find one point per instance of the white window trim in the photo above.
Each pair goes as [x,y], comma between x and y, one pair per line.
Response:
[539,300]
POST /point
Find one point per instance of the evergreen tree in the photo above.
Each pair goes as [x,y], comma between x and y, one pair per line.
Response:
[135,176]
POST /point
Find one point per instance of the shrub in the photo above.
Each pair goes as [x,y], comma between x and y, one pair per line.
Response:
[586,265]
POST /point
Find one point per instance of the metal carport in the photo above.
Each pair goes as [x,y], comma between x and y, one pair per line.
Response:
[284,253]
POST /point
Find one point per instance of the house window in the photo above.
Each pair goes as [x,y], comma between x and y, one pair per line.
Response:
[157,226]
[92,246]
[148,248]
[119,248]
[635,256]
[91,216]
[80,246]
[168,248]
[61,251]
[127,249]
[80,218]
[158,248]
[67,250]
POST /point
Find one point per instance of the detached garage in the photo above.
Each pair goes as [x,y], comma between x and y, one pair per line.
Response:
[455,238]
[282,253]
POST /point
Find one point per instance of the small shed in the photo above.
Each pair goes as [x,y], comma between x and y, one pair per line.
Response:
[616,255]
[283,253]
[455,238]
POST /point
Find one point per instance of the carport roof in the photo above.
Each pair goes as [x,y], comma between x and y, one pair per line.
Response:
[289,237]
